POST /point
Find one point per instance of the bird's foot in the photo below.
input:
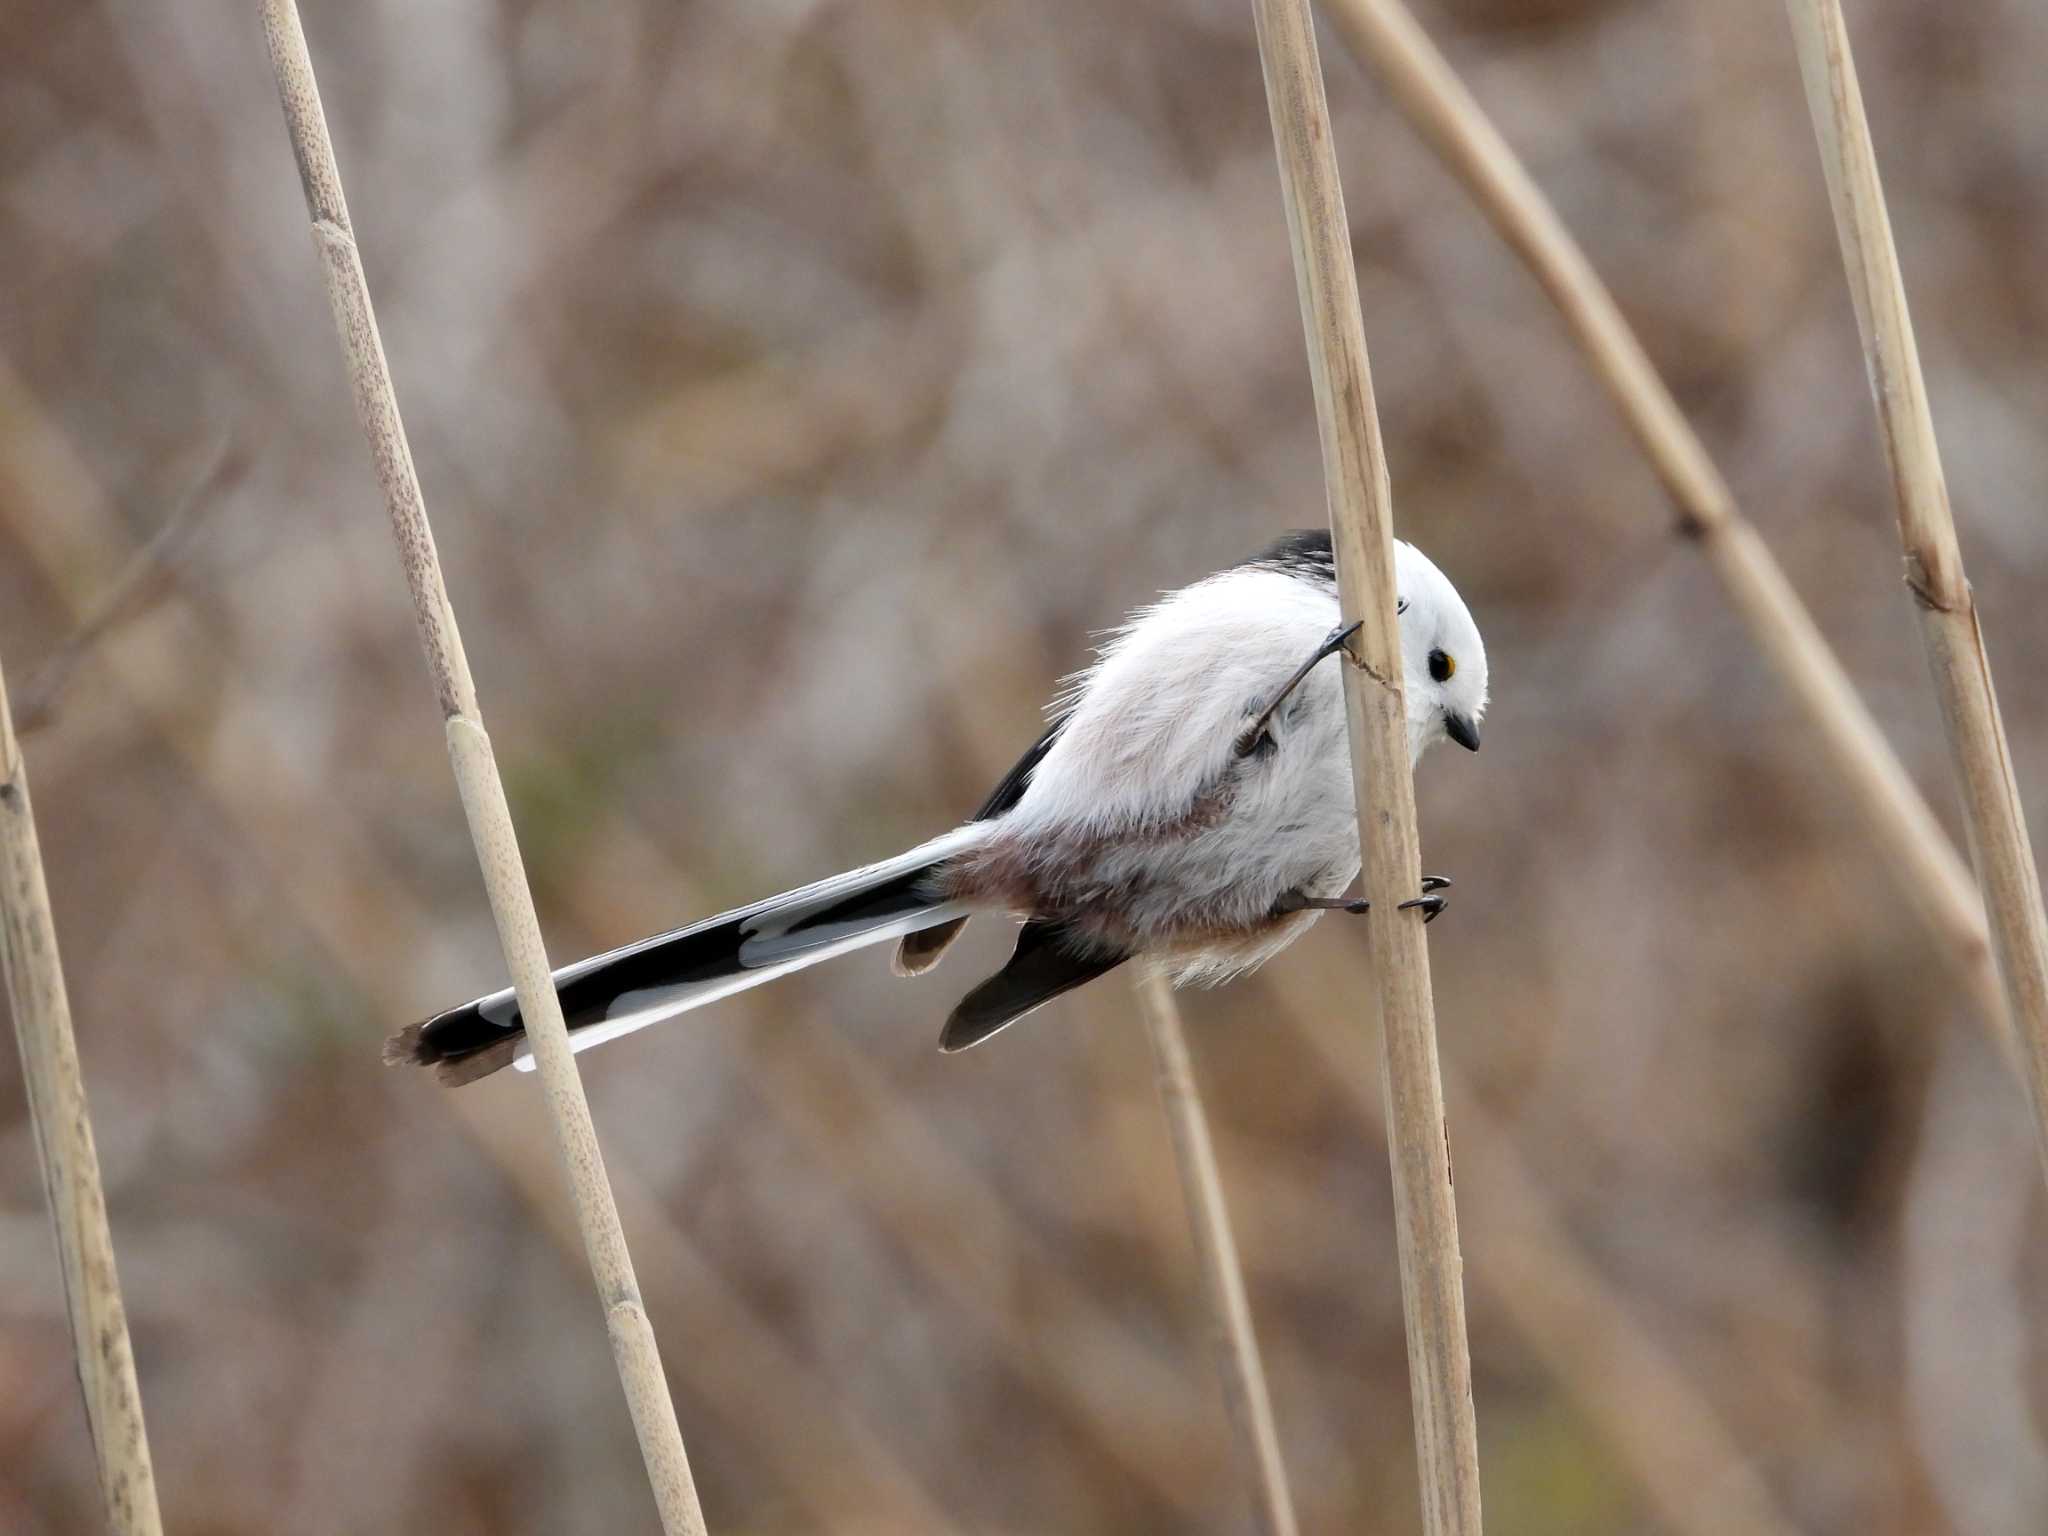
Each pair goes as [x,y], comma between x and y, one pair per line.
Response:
[1432,905]
[1255,740]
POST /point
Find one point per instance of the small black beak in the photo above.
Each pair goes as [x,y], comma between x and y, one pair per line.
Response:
[1463,730]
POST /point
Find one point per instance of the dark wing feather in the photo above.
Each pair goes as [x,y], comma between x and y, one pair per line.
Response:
[1018,779]
[1045,965]
[919,952]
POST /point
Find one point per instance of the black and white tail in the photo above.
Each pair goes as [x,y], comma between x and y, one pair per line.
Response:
[614,994]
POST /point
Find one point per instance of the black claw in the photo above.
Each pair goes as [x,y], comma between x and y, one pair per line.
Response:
[1432,907]
[1435,883]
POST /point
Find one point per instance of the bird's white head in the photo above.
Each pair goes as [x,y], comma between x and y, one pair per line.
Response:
[1443,658]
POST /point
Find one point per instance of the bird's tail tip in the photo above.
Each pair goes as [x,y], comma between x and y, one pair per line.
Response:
[412,1046]
[409,1048]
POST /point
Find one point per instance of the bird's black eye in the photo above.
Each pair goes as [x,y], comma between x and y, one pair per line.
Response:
[1441,667]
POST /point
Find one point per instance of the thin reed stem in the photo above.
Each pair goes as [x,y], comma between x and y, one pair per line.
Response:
[476,774]
[1930,873]
[1230,1314]
[70,1164]
[1361,523]
[2006,874]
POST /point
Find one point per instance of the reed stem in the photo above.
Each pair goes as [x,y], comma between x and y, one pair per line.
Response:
[70,1163]
[476,774]
[1361,523]
[1949,623]
[1230,1315]
[1930,873]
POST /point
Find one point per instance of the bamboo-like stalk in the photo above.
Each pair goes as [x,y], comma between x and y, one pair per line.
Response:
[476,774]
[1230,1314]
[1930,873]
[1361,523]
[70,1164]
[2006,874]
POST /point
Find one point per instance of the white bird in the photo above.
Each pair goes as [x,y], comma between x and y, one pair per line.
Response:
[1190,805]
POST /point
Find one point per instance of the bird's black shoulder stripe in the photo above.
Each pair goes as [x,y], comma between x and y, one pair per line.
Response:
[1303,552]
[1018,779]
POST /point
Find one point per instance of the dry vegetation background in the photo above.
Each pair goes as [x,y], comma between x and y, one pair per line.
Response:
[796,386]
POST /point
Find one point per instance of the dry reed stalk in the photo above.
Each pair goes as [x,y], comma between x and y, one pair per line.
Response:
[70,1164]
[1930,873]
[1361,523]
[476,773]
[1230,1314]
[2010,883]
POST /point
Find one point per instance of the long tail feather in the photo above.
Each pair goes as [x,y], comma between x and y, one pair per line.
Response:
[626,989]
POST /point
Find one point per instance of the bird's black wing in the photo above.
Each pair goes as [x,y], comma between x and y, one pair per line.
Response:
[919,952]
[1018,779]
[1046,964]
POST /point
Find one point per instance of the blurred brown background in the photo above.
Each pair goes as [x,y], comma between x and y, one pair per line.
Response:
[796,386]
